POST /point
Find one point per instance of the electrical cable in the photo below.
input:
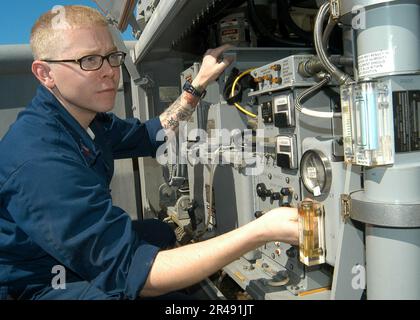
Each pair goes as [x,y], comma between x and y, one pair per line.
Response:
[232,94]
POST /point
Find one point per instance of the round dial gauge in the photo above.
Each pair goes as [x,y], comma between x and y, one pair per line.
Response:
[315,170]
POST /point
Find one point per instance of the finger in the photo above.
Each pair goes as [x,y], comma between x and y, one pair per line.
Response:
[218,51]
[226,62]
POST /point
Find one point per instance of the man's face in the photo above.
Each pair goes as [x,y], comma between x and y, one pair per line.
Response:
[88,91]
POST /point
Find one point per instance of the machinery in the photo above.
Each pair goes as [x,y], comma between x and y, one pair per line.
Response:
[322,102]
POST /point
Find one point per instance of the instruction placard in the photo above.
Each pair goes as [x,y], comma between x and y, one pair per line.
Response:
[377,62]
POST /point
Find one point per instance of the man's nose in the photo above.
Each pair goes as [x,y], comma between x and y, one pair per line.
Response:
[107,69]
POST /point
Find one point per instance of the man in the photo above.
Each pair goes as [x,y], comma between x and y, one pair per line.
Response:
[56,164]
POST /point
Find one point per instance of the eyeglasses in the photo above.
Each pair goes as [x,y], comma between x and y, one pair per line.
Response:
[95,61]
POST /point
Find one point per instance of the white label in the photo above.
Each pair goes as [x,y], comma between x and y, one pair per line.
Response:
[281,101]
[311,171]
[317,191]
[377,62]
[229,23]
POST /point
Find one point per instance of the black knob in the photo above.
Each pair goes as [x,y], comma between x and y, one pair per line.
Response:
[258,214]
[262,191]
[291,253]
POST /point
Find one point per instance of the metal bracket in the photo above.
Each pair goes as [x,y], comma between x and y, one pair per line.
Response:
[145,81]
[335,9]
[345,206]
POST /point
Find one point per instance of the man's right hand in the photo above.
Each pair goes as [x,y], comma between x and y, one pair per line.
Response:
[281,224]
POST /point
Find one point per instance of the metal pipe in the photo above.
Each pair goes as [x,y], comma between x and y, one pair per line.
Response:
[311,67]
[339,75]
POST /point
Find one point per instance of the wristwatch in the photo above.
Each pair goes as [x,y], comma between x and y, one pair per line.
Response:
[190,89]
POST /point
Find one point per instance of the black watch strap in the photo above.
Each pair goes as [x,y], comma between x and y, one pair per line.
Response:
[190,89]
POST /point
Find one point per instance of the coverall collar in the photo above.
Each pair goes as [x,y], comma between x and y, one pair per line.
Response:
[87,146]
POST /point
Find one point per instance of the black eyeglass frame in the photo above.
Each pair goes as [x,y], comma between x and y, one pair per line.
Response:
[79,61]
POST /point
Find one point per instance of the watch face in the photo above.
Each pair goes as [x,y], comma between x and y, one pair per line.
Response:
[315,171]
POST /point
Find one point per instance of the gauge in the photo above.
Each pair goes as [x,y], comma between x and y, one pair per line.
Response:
[315,170]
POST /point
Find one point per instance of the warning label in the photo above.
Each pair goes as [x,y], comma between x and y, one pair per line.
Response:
[376,63]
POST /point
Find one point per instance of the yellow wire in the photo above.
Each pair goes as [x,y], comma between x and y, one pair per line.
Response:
[237,105]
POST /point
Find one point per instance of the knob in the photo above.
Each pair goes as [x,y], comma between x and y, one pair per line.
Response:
[291,253]
[258,214]
[262,191]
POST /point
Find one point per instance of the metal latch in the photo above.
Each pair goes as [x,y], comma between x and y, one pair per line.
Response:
[345,208]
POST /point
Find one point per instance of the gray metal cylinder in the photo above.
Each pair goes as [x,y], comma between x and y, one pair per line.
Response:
[392,263]
[347,6]
[389,43]
[395,184]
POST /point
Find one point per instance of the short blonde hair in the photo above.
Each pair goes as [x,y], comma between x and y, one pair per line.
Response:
[47,30]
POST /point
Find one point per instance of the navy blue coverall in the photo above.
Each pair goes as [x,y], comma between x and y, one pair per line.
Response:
[56,207]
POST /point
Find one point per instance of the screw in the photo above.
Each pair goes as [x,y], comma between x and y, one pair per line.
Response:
[287,180]
[270,176]
[296,197]
[273,256]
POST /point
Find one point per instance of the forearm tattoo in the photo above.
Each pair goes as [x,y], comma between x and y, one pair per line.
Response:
[181,110]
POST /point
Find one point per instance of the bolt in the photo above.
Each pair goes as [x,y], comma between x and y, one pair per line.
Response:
[287,179]
[273,256]
[270,176]
[296,197]
[278,252]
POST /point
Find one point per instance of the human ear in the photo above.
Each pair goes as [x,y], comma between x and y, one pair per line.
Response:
[42,72]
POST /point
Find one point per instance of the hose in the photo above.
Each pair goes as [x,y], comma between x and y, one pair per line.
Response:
[310,91]
[236,104]
[327,32]
[339,75]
